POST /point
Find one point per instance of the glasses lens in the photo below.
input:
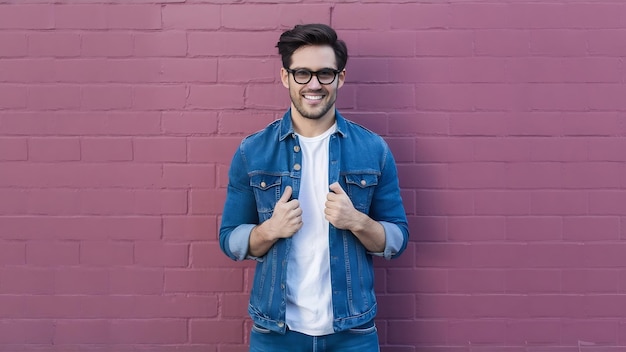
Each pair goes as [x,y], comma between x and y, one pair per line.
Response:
[326,76]
[302,76]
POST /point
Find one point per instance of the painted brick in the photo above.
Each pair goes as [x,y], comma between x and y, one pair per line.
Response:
[420,16]
[209,255]
[418,332]
[502,202]
[101,253]
[79,228]
[476,281]
[236,70]
[395,97]
[607,202]
[13,149]
[161,44]
[188,227]
[313,13]
[161,254]
[216,97]
[442,149]
[250,17]
[188,70]
[534,228]
[444,202]
[235,305]
[159,97]
[160,149]
[557,42]
[194,16]
[203,280]
[52,253]
[502,42]
[162,331]
[188,175]
[76,70]
[81,280]
[54,149]
[56,44]
[232,43]
[108,97]
[560,149]
[189,122]
[14,44]
[106,149]
[579,281]
[271,96]
[134,16]
[243,122]
[383,44]
[81,331]
[476,228]
[135,281]
[27,280]
[83,16]
[603,42]
[23,331]
[206,201]
[540,332]
[12,252]
[533,281]
[144,70]
[106,44]
[211,331]
[212,149]
[54,97]
[591,228]
[558,203]
[592,175]
[372,16]
[26,16]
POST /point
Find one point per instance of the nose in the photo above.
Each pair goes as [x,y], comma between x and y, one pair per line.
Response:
[314,83]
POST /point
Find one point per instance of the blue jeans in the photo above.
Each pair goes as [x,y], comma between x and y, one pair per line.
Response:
[360,339]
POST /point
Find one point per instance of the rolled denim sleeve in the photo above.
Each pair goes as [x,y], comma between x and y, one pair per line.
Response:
[394,240]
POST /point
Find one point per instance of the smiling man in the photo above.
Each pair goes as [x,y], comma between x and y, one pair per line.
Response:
[312,198]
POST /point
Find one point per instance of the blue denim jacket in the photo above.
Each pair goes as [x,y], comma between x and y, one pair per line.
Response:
[268,161]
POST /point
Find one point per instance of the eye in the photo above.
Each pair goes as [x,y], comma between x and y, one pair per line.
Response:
[326,74]
[302,74]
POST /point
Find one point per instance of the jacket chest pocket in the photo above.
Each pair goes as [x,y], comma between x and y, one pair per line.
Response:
[360,188]
[266,192]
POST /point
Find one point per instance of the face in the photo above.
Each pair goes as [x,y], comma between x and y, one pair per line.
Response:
[313,100]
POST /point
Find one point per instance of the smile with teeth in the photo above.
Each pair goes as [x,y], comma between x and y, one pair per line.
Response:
[313,97]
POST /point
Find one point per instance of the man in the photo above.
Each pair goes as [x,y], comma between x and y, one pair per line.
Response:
[312,197]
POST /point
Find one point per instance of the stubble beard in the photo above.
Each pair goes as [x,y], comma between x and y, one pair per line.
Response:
[315,114]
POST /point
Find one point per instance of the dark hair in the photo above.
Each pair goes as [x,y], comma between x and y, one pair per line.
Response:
[311,34]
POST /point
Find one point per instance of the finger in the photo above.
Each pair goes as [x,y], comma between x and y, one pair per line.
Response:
[286,195]
[336,188]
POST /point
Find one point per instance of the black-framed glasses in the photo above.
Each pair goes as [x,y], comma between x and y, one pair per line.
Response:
[303,76]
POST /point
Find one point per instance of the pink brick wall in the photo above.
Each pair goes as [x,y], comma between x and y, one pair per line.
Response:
[118,120]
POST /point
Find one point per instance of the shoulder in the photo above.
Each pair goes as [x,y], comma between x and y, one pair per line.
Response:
[269,134]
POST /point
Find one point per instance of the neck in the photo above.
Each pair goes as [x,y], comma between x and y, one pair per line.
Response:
[312,127]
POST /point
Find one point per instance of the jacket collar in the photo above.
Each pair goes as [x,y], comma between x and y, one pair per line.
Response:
[286,125]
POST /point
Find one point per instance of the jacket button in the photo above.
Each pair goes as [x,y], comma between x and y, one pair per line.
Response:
[296,148]
[363,183]
[297,167]
[280,324]
[263,184]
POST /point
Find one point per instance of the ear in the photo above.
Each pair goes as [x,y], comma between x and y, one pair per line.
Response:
[284,77]
[341,77]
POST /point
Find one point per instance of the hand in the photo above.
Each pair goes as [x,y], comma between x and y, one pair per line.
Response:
[287,217]
[340,211]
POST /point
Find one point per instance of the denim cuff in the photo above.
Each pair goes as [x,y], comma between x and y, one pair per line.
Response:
[393,240]
[239,241]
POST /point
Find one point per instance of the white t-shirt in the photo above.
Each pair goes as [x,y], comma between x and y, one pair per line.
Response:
[309,292]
